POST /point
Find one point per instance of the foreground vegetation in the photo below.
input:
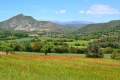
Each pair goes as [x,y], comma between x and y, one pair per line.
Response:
[36,67]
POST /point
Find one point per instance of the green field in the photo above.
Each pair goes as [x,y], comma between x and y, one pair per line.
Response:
[54,67]
[82,43]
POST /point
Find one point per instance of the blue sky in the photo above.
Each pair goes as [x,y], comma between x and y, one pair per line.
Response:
[62,10]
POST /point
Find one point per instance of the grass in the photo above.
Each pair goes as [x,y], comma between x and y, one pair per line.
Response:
[82,43]
[40,67]
[106,56]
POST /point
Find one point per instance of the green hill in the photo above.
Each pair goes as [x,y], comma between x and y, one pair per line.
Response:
[100,27]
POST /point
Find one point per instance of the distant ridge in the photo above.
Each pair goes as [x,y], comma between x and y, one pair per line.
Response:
[100,27]
[74,24]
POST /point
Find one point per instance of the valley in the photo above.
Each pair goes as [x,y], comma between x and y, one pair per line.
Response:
[42,50]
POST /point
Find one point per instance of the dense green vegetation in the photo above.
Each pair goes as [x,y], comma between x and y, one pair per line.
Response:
[105,36]
[47,45]
[94,44]
[10,34]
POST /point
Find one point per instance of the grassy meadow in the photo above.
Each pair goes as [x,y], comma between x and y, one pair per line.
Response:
[54,67]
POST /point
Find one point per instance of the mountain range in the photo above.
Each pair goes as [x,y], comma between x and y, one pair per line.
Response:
[74,24]
[28,23]
[21,22]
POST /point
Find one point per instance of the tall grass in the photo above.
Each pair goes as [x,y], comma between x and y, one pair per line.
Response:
[33,67]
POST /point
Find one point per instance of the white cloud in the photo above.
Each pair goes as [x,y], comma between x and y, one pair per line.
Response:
[100,10]
[62,11]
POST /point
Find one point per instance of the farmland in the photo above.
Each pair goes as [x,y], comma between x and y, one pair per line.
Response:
[31,67]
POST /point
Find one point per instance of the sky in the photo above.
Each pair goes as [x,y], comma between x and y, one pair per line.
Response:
[62,10]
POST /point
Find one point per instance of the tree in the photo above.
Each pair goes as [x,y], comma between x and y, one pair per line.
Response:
[47,47]
[4,47]
[36,46]
[19,47]
[94,51]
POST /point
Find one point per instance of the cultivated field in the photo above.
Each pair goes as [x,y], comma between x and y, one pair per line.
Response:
[38,67]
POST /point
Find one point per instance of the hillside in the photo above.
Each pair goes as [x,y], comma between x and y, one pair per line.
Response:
[74,24]
[100,27]
[71,26]
[28,23]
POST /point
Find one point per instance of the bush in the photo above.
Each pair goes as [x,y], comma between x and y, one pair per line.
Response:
[19,47]
[61,49]
[81,50]
[94,51]
[77,44]
[107,50]
[78,50]
[5,47]
[115,54]
[36,46]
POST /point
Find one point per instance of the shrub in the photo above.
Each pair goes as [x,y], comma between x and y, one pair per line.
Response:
[78,50]
[5,47]
[94,51]
[61,49]
[72,50]
[49,40]
[115,54]
[36,46]
[60,43]
[77,44]
[81,50]
[107,50]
